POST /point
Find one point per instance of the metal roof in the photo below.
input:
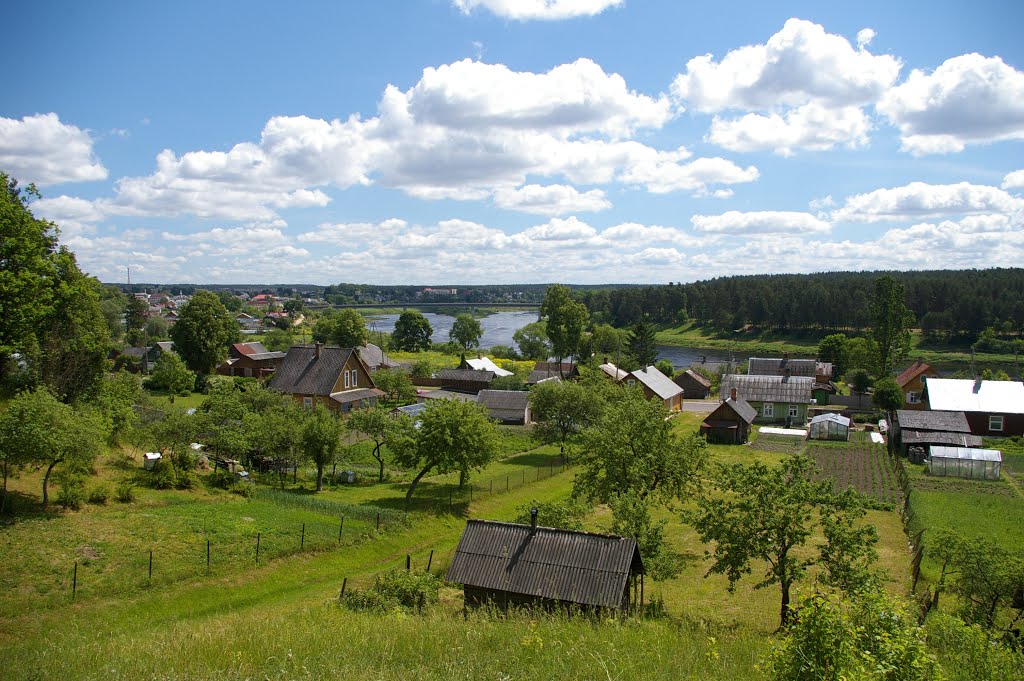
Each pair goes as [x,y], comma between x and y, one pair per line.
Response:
[963,394]
[613,371]
[942,452]
[794,389]
[504,399]
[355,395]
[466,375]
[771,366]
[934,437]
[485,364]
[946,421]
[660,384]
[549,563]
[740,407]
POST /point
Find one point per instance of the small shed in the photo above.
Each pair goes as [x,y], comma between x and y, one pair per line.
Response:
[964,462]
[729,424]
[695,386]
[829,427]
[150,458]
[508,564]
[507,406]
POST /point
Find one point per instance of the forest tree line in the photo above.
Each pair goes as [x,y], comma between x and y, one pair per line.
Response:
[945,303]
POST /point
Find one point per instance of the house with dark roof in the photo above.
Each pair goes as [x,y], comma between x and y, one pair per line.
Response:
[992,408]
[567,371]
[332,376]
[375,358]
[464,380]
[915,431]
[773,366]
[729,423]
[911,382]
[507,406]
[695,386]
[777,399]
[250,360]
[657,385]
[508,564]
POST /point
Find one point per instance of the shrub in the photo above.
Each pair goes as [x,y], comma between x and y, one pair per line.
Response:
[125,492]
[221,478]
[395,589]
[72,491]
[100,494]
[244,489]
[187,480]
[422,369]
[164,475]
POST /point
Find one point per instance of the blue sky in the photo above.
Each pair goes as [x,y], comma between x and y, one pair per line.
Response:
[505,141]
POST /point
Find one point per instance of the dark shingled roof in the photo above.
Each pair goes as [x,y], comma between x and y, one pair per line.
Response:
[693,375]
[303,373]
[932,437]
[944,421]
[795,389]
[374,357]
[559,565]
[761,366]
[356,394]
[504,399]
[465,375]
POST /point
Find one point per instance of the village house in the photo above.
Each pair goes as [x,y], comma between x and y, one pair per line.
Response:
[777,399]
[911,382]
[914,431]
[729,423]
[567,371]
[695,386]
[375,358]
[992,408]
[613,372]
[464,380]
[331,376]
[509,564]
[250,360]
[657,385]
[507,406]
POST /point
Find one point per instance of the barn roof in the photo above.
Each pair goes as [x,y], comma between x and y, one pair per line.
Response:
[934,437]
[945,421]
[739,406]
[694,376]
[769,388]
[562,565]
[771,366]
[504,399]
[657,382]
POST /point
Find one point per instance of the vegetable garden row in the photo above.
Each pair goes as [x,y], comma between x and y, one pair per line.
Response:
[865,467]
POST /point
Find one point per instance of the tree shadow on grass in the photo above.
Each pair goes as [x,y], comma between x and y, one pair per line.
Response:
[24,506]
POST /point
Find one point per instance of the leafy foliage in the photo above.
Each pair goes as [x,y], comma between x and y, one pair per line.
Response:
[567,515]
[321,439]
[396,384]
[412,332]
[562,410]
[892,320]
[888,394]
[532,340]
[642,344]
[395,589]
[345,328]
[172,375]
[204,331]
[466,331]
[565,320]
[379,426]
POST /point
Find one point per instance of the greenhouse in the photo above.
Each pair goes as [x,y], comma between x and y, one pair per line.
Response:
[830,427]
[963,462]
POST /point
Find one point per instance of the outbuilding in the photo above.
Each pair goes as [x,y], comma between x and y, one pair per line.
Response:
[729,424]
[829,427]
[964,462]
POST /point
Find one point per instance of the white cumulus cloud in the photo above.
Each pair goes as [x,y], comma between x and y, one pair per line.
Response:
[970,99]
[865,36]
[811,126]
[760,222]
[919,200]
[44,150]
[538,9]
[557,199]
[1014,180]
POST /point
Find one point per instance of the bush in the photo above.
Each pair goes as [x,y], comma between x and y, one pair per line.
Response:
[125,492]
[969,652]
[187,480]
[164,475]
[503,352]
[395,589]
[72,491]
[422,369]
[100,494]
[221,478]
[244,489]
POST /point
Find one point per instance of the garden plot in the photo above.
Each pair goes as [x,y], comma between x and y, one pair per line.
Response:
[864,467]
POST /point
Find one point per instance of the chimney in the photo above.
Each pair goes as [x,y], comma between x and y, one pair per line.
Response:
[733,394]
[317,347]
[785,356]
[605,360]
[977,385]
[533,520]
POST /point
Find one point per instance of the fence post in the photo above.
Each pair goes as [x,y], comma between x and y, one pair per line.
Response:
[378,520]
[408,562]
[74,582]
[506,483]
[344,582]
[491,491]
[430,559]
[151,565]
[257,548]
[207,555]
[341,528]
[302,542]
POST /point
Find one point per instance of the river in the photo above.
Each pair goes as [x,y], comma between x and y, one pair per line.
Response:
[499,327]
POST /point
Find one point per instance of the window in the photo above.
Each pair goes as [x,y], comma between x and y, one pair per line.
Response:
[794,411]
[768,410]
[355,378]
[913,397]
[631,382]
[346,378]
[307,402]
[995,422]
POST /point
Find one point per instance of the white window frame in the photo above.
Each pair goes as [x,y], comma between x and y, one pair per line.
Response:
[346,379]
[768,410]
[794,411]
[355,378]
[913,397]
[993,419]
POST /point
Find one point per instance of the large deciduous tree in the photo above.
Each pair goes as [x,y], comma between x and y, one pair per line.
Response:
[136,312]
[204,332]
[321,439]
[891,324]
[565,320]
[377,424]
[532,341]
[888,394]
[466,332]
[562,410]
[450,436]
[172,375]
[345,328]
[835,349]
[987,577]
[412,332]
[395,383]
[757,513]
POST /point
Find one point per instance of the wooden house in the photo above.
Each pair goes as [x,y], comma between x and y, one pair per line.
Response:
[992,408]
[777,399]
[613,372]
[911,382]
[507,406]
[915,431]
[332,376]
[508,564]
[464,380]
[729,424]
[250,360]
[657,386]
[695,386]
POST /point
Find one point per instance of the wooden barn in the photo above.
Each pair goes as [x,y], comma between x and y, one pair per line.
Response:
[508,564]
[729,424]
[695,386]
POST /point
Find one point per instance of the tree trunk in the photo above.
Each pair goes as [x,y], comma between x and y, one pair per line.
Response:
[416,481]
[784,614]
[46,482]
[380,460]
[319,477]
[462,478]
